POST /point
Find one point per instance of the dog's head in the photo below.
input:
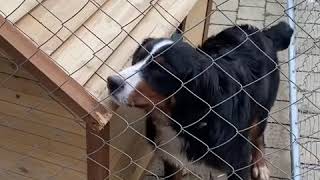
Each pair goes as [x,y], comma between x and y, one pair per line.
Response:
[159,67]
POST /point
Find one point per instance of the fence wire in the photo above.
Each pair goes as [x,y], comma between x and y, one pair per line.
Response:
[99,45]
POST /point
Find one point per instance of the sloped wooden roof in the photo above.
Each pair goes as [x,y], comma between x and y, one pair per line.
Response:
[85,40]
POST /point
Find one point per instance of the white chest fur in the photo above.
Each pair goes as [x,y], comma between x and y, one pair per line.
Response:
[172,150]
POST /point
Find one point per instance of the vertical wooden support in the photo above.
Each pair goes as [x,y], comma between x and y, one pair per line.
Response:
[206,26]
[197,14]
[97,169]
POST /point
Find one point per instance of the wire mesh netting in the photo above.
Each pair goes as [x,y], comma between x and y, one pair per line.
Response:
[307,48]
[92,39]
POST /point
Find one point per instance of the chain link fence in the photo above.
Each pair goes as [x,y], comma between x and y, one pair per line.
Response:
[92,39]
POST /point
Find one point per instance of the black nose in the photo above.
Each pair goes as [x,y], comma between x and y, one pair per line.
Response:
[115,83]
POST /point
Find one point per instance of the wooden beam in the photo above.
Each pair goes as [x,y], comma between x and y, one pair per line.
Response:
[16,9]
[53,78]
[49,24]
[99,152]
[206,26]
[197,14]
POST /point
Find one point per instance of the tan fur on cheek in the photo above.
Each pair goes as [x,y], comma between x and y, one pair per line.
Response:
[144,96]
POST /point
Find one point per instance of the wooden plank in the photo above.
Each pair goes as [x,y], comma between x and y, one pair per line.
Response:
[197,14]
[145,162]
[52,77]
[49,133]
[6,174]
[64,149]
[67,175]
[43,118]
[34,102]
[13,10]
[129,141]
[9,134]
[51,23]
[21,137]
[42,155]
[98,37]
[98,154]
[8,67]
[152,25]
[37,169]
[134,171]
[206,26]
[20,84]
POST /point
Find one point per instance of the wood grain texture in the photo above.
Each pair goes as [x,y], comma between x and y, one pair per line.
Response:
[13,10]
[98,154]
[51,76]
[95,41]
[156,23]
[51,23]
[195,23]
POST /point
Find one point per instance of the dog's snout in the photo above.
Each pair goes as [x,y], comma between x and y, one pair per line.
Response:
[115,83]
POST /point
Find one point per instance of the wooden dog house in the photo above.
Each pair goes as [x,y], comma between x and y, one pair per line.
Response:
[55,57]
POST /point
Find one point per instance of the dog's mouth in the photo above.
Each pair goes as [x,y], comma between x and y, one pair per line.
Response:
[114,99]
[117,98]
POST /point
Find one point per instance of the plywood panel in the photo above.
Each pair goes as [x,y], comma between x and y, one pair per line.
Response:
[130,143]
[20,84]
[152,25]
[38,169]
[56,17]
[8,67]
[6,174]
[49,133]
[15,9]
[98,37]
[67,175]
[9,134]
[34,102]
[40,154]
[47,119]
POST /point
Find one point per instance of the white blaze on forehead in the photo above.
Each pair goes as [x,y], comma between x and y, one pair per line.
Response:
[132,74]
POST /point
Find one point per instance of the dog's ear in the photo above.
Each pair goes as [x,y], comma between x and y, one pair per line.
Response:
[141,52]
[280,34]
[145,41]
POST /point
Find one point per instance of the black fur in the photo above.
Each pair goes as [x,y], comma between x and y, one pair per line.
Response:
[235,56]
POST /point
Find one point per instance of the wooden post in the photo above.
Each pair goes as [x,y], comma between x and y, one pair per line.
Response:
[206,26]
[197,14]
[98,171]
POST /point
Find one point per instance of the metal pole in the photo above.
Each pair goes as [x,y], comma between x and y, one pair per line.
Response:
[295,151]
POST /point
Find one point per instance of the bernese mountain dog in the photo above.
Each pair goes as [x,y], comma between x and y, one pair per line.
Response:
[207,107]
